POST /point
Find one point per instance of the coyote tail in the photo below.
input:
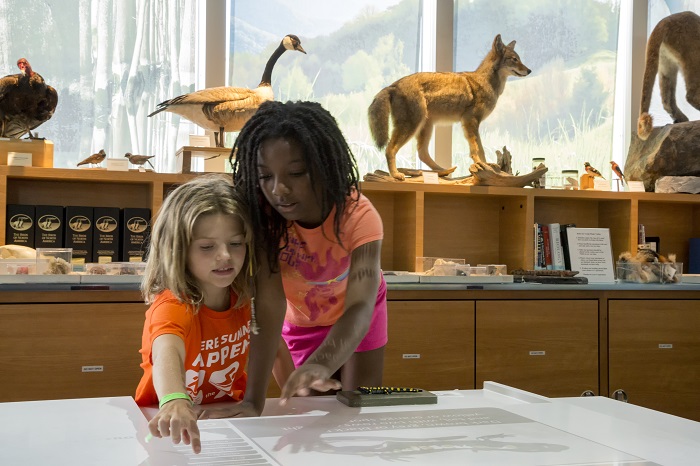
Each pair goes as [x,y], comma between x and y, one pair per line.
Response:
[378,116]
[645,121]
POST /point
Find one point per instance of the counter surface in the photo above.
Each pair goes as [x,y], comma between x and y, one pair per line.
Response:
[32,287]
[496,425]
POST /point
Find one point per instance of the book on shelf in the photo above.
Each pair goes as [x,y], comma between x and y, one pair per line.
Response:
[135,232]
[19,225]
[105,235]
[556,246]
[539,248]
[547,246]
[78,232]
[565,243]
[49,229]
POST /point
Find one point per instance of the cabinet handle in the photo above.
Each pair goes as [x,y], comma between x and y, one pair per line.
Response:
[588,393]
[620,395]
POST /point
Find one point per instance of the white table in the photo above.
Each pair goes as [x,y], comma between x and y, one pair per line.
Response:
[496,425]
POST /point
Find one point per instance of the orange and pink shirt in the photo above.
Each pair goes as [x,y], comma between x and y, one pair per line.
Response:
[216,349]
[315,266]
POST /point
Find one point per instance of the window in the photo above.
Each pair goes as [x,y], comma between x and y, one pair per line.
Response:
[111,62]
[124,57]
[354,49]
[563,110]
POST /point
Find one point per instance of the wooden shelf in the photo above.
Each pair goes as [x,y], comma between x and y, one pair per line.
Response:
[83,187]
[482,224]
[485,224]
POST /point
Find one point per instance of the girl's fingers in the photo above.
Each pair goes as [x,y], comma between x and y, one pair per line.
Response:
[175,431]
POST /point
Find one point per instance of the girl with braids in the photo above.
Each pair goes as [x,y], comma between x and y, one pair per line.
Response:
[319,257]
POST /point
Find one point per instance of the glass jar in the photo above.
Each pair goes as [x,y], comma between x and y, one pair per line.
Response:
[569,179]
[540,182]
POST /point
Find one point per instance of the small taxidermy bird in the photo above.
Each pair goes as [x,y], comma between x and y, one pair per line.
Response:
[26,101]
[592,171]
[616,169]
[228,108]
[139,159]
[94,159]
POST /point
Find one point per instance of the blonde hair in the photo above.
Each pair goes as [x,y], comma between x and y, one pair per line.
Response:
[166,267]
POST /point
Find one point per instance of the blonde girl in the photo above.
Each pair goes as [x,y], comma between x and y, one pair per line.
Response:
[196,334]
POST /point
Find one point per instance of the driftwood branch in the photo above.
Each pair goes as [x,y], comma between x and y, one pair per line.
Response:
[483,174]
[419,172]
[486,174]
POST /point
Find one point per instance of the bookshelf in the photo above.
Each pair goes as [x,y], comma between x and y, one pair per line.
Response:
[479,223]
[485,224]
[482,331]
[87,187]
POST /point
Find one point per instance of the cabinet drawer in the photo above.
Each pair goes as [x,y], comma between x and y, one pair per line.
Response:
[431,345]
[548,347]
[654,353]
[55,351]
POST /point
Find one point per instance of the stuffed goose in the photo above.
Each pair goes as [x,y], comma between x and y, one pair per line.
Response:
[228,108]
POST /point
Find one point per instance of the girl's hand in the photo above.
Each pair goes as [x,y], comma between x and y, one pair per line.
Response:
[308,376]
[177,419]
[241,409]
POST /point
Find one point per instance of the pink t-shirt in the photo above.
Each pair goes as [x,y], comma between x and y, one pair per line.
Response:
[315,266]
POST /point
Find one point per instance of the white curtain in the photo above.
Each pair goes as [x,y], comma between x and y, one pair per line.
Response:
[112,62]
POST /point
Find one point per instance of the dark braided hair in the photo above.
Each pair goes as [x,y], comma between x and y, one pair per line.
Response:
[325,151]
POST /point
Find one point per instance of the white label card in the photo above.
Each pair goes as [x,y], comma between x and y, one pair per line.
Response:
[430,178]
[411,356]
[635,186]
[118,165]
[599,184]
[19,159]
[198,140]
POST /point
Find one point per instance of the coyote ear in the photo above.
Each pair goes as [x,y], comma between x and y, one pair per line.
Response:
[511,45]
[498,44]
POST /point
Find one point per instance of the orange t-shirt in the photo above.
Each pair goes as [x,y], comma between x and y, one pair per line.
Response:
[315,266]
[216,349]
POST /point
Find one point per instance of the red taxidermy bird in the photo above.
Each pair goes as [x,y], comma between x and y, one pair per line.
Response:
[617,170]
[26,101]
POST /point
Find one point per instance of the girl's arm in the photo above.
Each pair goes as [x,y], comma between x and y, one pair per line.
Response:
[284,365]
[347,333]
[176,419]
[270,307]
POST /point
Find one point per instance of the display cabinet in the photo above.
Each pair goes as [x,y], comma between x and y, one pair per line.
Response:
[481,224]
[54,342]
[85,187]
[485,224]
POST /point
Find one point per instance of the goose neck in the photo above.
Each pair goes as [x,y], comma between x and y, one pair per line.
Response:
[267,74]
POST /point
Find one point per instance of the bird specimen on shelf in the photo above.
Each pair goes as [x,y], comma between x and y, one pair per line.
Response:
[618,171]
[139,159]
[26,101]
[592,171]
[94,159]
[227,108]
